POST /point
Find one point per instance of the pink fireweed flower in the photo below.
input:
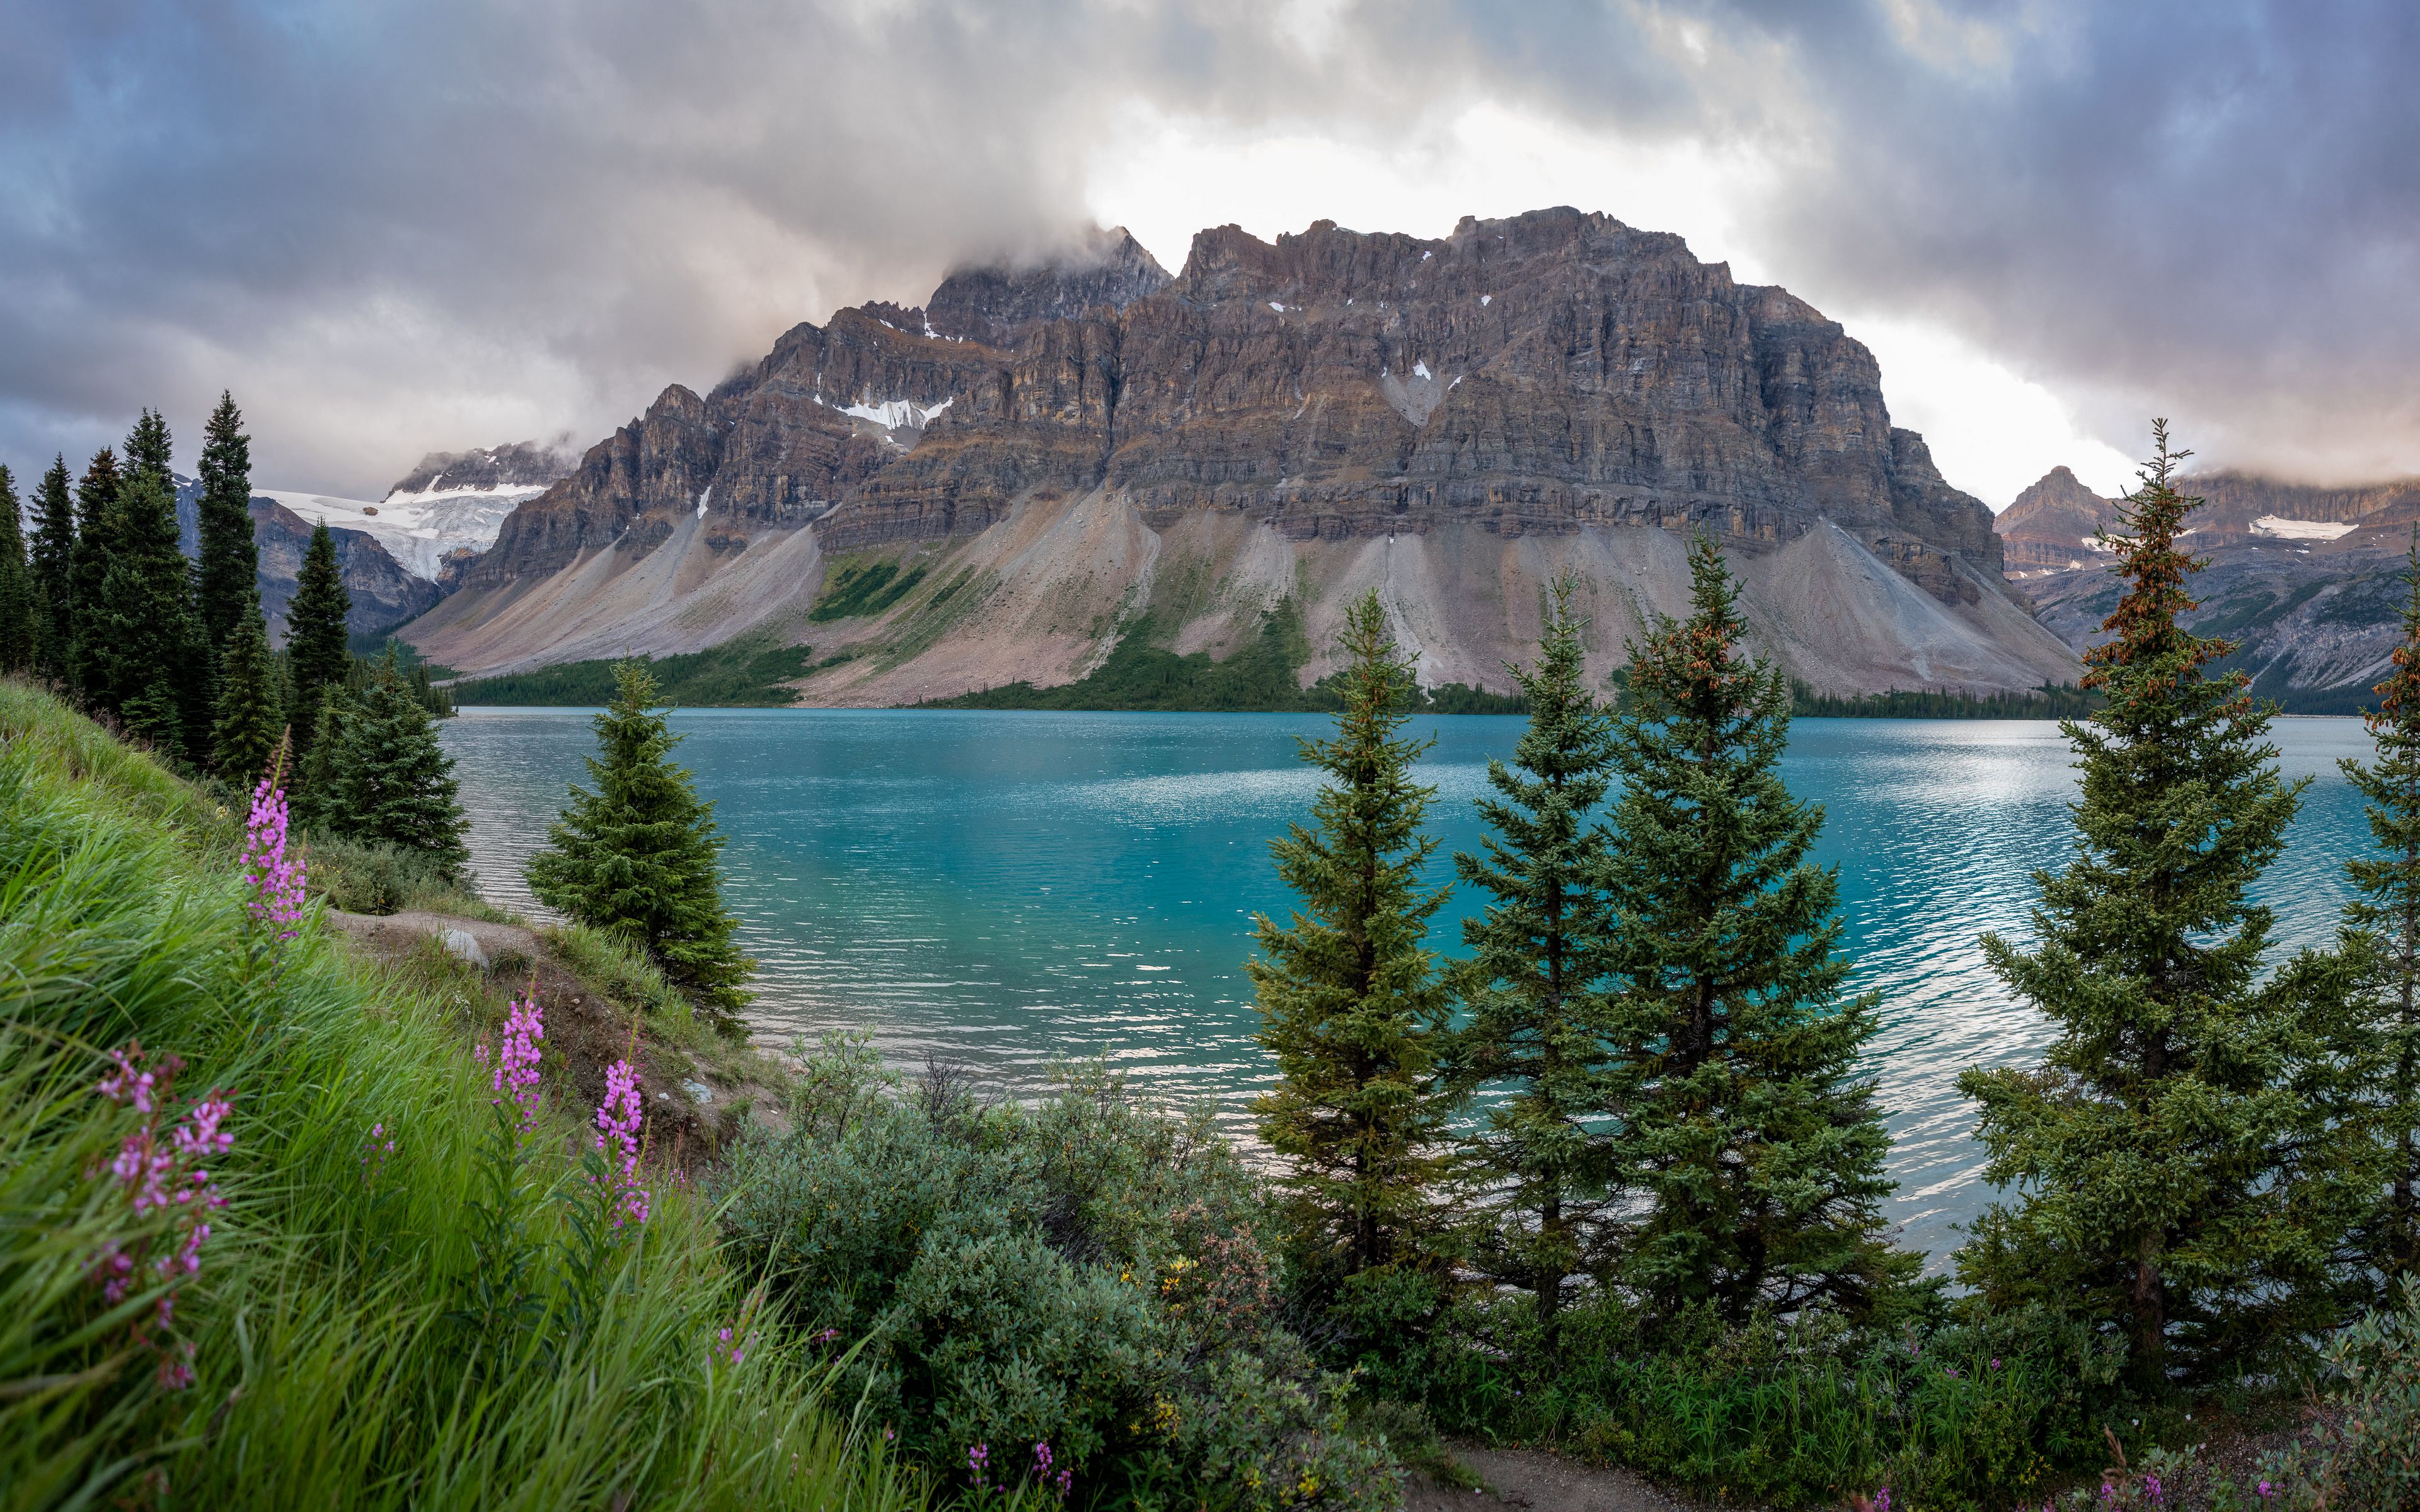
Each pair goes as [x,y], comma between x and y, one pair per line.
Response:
[276,879]
[617,1133]
[162,1169]
[516,1061]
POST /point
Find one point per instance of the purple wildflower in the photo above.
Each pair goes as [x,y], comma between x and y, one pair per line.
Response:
[618,1119]
[517,1062]
[161,1171]
[276,878]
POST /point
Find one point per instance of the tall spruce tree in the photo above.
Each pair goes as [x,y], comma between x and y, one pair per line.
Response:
[639,854]
[1352,1006]
[97,535]
[1534,986]
[227,577]
[17,617]
[2182,1169]
[393,783]
[250,717]
[1748,1139]
[53,573]
[317,653]
[148,445]
[141,624]
[2382,943]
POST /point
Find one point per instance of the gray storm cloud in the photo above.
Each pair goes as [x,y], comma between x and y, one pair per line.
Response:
[394,227]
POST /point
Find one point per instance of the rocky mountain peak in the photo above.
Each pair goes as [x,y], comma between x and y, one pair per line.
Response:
[516,467]
[997,303]
[2052,525]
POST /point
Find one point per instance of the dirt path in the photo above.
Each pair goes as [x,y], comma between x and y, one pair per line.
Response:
[1541,1482]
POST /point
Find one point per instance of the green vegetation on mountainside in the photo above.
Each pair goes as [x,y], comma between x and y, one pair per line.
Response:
[1142,675]
[2048,702]
[745,672]
[860,589]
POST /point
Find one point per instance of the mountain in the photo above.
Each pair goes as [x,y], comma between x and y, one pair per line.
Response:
[394,554]
[384,593]
[2307,580]
[2051,526]
[1045,461]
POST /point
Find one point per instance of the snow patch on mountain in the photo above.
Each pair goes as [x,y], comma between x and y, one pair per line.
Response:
[418,528]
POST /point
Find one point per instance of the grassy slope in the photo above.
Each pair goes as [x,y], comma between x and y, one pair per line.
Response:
[746,672]
[327,1369]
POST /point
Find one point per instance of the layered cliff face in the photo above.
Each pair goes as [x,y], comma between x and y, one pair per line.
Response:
[2306,580]
[1280,422]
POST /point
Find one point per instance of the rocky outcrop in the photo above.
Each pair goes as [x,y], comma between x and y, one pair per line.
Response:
[1552,376]
[514,466]
[2052,526]
[998,305]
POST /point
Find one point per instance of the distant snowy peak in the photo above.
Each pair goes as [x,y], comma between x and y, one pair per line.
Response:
[524,468]
[420,530]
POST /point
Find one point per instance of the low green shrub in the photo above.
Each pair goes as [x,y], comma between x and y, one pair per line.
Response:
[1083,1279]
[1787,1413]
[368,876]
[2363,1445]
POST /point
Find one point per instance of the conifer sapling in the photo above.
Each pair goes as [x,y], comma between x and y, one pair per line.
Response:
[639,854]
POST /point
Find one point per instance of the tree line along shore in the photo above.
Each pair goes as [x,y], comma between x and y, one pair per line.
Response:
[283,1223]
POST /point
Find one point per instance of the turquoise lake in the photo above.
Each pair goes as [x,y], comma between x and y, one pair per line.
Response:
[1011,889]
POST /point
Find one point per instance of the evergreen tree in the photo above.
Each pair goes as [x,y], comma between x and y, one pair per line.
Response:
[1539,1020]
[96,545]
[2382,943]
[17,618]
[394,782]
[639,854]
[1351,1005]
[141,624]
[227,578]
[53,573]
[317,651]
[1748,1139]
[2181,1173]
[314,798]
[250,716]
[147,445]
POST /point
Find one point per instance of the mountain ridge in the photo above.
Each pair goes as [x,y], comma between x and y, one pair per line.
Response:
[1447,419]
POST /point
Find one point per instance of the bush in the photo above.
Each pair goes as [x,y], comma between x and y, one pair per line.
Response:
[1787,1413]
[368,877]
[1085,1275]
[2364,1446]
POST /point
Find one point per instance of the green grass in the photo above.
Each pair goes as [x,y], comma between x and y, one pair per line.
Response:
[860,589]
[745,672]
[332,1366]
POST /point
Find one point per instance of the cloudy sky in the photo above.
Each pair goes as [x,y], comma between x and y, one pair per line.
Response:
[397,227]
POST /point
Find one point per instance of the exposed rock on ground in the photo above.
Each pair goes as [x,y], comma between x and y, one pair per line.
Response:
[1065,449]
[585,1030]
